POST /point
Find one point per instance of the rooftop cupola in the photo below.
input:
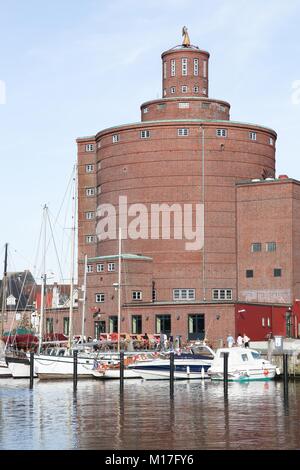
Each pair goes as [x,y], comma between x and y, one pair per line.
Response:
[185,70]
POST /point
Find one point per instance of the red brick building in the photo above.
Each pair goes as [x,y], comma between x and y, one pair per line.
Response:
[185,151]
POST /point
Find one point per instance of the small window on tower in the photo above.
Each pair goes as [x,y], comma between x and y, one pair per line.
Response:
[252,135]
[204,91]
[165,69]
[172,89]
[145,134]
[115,138]
[145,110]
[184,66]
[165,92]
[221,132]
[184,89]
[89,148]
[196,67]
[183,132]
[196,89]
[173,68]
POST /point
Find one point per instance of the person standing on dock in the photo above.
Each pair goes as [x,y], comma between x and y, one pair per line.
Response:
[230,340]
[239,340]
[246,340]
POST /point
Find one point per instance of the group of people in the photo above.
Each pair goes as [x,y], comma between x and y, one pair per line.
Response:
[242,341]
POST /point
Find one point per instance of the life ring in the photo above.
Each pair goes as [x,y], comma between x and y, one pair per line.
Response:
[266,372]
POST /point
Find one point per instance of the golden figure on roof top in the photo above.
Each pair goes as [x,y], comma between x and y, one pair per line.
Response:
[186,40]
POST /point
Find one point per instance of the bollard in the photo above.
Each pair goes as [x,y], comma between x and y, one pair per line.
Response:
[285,373]
[172,368]
[31,370]
[75,364]
[121,371]
[225,373]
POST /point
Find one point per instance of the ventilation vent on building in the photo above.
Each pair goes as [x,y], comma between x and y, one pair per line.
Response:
[282,177]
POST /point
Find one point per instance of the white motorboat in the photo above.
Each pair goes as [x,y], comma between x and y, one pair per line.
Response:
[243,364]
[19,366]
[4,370]
[193,365]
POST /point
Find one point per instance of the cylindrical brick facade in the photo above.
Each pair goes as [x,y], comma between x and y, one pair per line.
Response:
[184,72]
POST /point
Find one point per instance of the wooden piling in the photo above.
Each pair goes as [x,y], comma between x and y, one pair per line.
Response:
[121,371]
[75,364]
[172,368]
[31,369]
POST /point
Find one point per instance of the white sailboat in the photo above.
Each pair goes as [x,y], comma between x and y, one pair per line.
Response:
[4,370]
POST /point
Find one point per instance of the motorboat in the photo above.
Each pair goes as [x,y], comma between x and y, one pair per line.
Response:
[187,365]
[110,369]
[243,364]
[4,370]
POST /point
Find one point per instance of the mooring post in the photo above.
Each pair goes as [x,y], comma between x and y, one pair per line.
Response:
[31,369]
[172,368]
[75,363]
[225,372]
[285,359]
[121,371]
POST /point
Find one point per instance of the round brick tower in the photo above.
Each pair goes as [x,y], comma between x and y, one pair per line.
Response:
[185,150]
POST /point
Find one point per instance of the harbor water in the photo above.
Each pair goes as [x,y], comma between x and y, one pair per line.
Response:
[254,416]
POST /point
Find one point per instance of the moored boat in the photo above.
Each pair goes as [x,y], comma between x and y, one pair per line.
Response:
[243,364]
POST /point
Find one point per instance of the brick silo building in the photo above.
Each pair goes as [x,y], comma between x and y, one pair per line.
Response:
[185,151]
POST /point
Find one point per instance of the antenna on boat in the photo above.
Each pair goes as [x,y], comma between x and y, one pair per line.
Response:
[119,289]
[4,283]
[41,325]
[84,297]
[72,260]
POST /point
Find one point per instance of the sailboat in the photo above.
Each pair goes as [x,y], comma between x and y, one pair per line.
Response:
[4,371]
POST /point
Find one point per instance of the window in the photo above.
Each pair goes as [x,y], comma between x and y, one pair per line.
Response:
[99,144]
[206,106]
[100,297]
[165,69]
[222,294]
[89,147]
[161,106]
[183,105]
[99,189]
[99,327]
[89,168]
[196,67]
[221,108]
[172,89]
[90,191]
[89,268]
[271,246]
[244,357]
[204,68]
[252,135]
[277,272]
[249,272]
[221,132]
[145,110]
[111,267]
[100,268]
[196,89]
[182,132]
[165,92]
[137,295]
[115,138]
[90,239]
[184,89]
[173,68]
[113,324]
[255,355]
[99,166]
[263,322]
[183,294]
[49,325]
[271,141]
[163,324]
[204,91]
[268,322]
[196,327]
[145,134]
[154,295]
[90,215]
[255,247]
[66,326]
[184,66]
[136,324]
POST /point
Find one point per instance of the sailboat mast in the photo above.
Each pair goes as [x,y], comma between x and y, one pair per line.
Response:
[72,263]
[84,297]
[4,283]
[119,289]
[41,326]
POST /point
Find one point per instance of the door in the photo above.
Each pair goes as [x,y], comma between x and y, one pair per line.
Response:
[196,326]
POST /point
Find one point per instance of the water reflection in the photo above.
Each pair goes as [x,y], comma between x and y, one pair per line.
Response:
[254,415]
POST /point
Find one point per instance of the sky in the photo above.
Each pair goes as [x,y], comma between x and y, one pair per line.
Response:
[70,68]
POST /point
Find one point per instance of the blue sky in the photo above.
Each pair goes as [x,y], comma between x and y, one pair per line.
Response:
[74,67]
